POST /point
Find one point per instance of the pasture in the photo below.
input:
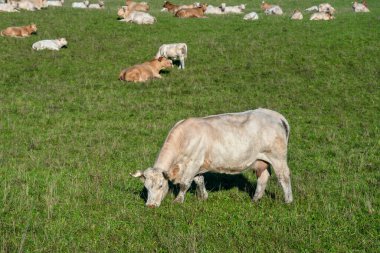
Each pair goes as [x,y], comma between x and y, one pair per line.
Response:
[71,132]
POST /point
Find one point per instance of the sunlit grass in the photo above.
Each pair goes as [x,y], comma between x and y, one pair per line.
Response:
[70,132]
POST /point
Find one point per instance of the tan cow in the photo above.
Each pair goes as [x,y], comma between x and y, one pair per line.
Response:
[228,143]
[173,8]
[197,12]
[19,31]
[265,6]
[145,71]
[134,6]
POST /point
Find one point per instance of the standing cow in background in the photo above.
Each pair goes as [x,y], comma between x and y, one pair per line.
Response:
[227,143]
[173,51]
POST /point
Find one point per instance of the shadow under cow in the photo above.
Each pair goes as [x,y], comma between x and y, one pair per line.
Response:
[216,182]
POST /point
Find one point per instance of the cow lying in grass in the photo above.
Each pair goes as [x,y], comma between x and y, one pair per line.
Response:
[197,12]
[19,31]
[237,9]
[173,8]
[50,44]
[297,15]
[137,17]
[264,6]
[357,7]
[55,3]
[327,8]
[173,51]
[227,143]
[321,16]
[99,5]
[145,71]
[274,10]
[7,8]
[81,5]
[134,6]
[251,16]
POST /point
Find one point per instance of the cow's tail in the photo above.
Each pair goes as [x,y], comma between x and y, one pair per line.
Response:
[286,127]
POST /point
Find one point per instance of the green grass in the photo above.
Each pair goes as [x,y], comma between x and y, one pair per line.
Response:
[70,132]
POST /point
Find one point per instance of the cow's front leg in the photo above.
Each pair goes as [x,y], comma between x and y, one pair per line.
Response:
[183,187]
[201,188]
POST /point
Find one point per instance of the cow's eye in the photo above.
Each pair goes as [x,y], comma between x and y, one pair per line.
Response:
[160,186]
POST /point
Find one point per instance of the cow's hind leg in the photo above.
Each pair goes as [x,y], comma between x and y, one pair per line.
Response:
[262,173]
[282,171]
[182,62]
[201,188]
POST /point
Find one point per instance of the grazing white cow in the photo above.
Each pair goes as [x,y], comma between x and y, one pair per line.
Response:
[81,5]
[312,9]
[50,44]
[297,15]
[274,10]
[173,51]
[99,5]
[357,7]
[138,17]
[7,8]
[237,9]
[322,16]
[226,143]
[251,16]
[326,8]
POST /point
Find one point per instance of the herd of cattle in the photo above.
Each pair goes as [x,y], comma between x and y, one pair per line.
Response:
[228,143]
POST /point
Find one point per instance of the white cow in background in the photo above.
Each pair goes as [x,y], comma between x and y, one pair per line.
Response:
[297,15]
[174,51]
[228,143]
[274,10]
[7,8]
[214,10]
[312,9]
[138,17]
[357,7]
[81,5]
[50,44]
[55,3]
[251,16]
[99,5]
[237,9]
[326,7]
[322,16]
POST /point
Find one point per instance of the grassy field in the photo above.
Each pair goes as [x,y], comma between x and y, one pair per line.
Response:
[70,132]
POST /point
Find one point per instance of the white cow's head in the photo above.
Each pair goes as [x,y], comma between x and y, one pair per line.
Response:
[156,184]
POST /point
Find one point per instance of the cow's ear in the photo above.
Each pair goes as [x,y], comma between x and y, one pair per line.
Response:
[166,175]
[160,58]
[139,174]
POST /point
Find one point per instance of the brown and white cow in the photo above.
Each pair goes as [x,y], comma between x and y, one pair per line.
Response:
[197,12]
[145,71]
[173,8]
[226,143]
[19,31]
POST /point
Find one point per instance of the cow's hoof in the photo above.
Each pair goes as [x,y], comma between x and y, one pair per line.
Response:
[178,200]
